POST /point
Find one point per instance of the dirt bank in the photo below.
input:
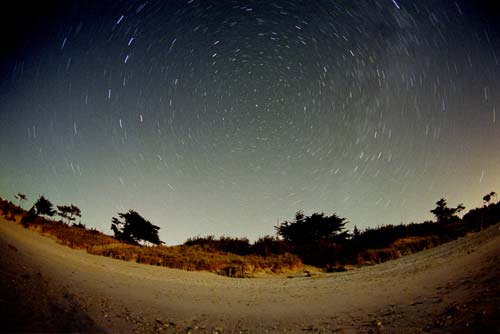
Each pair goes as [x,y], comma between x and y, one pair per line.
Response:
[49,287]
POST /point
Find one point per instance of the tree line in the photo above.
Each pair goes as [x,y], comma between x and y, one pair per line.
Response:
[318,239]
[68,213]
[130,227]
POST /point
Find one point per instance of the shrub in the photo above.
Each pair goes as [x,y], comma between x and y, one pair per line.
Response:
[268,245]
[29,217]
[240,246]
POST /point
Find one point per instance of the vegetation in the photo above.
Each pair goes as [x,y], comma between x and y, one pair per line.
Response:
[313,229]
[194,257]
[489,197]
[44,207]
[318,239]
[9,210]
[269,246]
[445,214]
[239,246]
[479,218]
[69,212]
[265,246]
[20,198]
[133,228]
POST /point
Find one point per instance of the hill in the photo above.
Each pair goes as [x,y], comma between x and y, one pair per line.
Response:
[49,287]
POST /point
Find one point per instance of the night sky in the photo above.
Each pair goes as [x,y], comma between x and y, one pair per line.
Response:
[222,117]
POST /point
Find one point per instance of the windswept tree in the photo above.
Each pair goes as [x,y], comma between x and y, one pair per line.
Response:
[44,207]
[445,214]
[489,197]
[316,239]
[20,198]
[69,212]
[131,227]
[313,229]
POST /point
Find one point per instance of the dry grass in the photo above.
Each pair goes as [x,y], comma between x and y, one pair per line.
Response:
[192,258]
[196,258]
[400,247]
[73,237]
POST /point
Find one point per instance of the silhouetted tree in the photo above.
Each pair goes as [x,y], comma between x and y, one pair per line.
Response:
[20,198]
[355,232]
[313,229]
[44,207]
[445,214]
[485,216]
[69,212]
[488,197]
[317,239]
[132,228]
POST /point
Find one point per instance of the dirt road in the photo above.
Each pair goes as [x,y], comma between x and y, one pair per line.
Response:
[47,287]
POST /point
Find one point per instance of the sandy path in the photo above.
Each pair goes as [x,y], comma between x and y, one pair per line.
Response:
[410,295]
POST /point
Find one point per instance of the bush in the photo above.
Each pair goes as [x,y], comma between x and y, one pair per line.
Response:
[239,246]
[479,218]
[29,217]
[79,225]
[268,246]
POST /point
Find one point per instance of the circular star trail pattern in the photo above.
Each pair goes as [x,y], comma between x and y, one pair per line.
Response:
[224,117]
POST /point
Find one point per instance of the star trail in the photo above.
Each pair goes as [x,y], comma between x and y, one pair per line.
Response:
[224,117]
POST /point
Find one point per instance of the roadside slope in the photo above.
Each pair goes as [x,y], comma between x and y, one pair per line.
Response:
[92,293]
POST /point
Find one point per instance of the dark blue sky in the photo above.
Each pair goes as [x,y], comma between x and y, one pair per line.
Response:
[220,117]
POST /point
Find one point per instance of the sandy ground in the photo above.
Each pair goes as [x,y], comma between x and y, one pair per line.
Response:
[46,287]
